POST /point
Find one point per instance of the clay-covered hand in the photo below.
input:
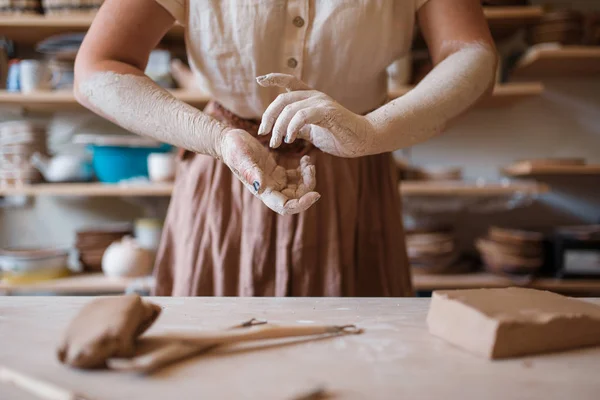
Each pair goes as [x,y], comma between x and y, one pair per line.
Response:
[313,116]
[283,191]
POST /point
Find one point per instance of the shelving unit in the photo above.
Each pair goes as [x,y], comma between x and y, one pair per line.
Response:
[515,16]
[64,100]
[565,61]
[487,280]
[30,29]
[468,189]
[99,284]
[524,170]
[159,190]
[503,95]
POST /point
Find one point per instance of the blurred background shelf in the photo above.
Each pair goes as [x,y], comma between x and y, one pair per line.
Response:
[503,95]
[487,280]
[460,188]
[527,170]
[64,100]
[565,61]
[30,29]
[514,15]
[97,283]
[88,189]
[156,190]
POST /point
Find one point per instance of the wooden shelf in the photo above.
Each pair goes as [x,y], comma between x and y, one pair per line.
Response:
[516,15]
[89,190]
[156,190]
[30,29]
[525,169]
[487,280]
[460,188]
[100,284]
[504,94]
[544,62]
[64,100]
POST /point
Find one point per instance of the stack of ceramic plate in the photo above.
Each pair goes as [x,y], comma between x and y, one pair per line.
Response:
[70,7]
[19,140]
[564,27]
[31,265]
[432,252]
[91,244]
[512,251]
[19,7]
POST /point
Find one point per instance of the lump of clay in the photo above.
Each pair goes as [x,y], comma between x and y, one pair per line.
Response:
[500,323]
[106,327]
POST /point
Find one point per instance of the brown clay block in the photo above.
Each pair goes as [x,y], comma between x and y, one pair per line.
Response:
[106,327]
[502,323]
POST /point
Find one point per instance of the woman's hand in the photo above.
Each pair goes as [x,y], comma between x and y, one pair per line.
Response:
[283,191]
[311,115]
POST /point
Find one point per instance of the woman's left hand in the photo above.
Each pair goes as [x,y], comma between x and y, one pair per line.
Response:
[313,116]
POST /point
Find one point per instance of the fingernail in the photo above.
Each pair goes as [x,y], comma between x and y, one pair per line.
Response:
[288,139]
[256,185]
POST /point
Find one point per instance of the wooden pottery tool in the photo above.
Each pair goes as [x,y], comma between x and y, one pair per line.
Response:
[196,342]
[36,387]
[169,354]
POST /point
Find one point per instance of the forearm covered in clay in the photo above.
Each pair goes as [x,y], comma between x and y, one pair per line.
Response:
[139,105]
[453,86]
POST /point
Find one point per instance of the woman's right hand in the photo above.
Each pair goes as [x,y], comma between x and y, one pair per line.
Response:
[283,191]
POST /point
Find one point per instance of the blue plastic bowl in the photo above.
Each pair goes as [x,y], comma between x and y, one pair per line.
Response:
[113,164]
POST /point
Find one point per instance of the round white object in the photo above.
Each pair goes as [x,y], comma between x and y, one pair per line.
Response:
[126,258]
[161,167]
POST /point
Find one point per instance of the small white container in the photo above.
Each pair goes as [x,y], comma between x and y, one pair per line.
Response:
[161,167]
[35,75]
[148,232]
[126,258]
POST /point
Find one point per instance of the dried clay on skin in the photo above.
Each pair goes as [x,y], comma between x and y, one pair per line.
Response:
[446,92]
[140,106]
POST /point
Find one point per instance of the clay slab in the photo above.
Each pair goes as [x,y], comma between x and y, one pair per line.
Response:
[511,322]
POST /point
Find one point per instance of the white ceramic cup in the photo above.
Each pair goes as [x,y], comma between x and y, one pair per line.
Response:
[35,75]
[161,167]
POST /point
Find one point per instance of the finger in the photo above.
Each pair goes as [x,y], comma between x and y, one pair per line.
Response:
[276,107]
[306,116]
[295,206]
[289,82]
[252,176]
[274,200]
[309,175]
[283,120]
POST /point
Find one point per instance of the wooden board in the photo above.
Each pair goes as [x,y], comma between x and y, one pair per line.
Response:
[64,100]
[568,61]
[504,94]
[468,189]
[85,284]
[30,29]
[97,283]
[526,169]
[89,190]
[487,280]
[517,16]
[396,357]
[407,188]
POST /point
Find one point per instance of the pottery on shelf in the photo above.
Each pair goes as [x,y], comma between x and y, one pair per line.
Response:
[126,258]
[63,167]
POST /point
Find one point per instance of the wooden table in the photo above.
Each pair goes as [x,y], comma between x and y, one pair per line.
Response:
[395,358]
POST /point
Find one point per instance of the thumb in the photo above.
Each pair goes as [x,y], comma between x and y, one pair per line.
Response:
[251,175]
[289,82]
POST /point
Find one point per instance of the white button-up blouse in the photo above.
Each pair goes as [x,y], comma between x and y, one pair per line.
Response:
[339,47]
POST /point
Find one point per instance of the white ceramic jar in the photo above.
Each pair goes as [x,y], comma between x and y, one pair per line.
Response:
[125,258]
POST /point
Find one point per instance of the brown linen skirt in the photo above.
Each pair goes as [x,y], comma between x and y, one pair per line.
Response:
[220,240]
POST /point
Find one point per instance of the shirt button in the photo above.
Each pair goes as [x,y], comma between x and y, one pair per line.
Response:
[298,22]
[292,62]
